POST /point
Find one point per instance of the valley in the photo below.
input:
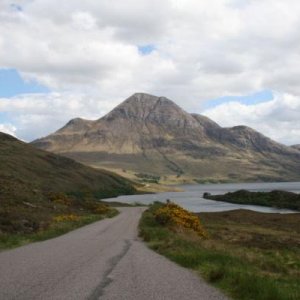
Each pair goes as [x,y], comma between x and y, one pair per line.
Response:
[149,150]
[45,195]
[110,170]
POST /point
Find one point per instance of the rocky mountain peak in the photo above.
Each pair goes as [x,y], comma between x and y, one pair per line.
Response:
[140,105]
[152,109]
[76,121]
[141,97]
[77,124]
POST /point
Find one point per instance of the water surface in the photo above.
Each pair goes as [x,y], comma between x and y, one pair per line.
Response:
[192,199]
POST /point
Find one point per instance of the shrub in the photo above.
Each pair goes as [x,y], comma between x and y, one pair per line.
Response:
[174,215]
[101,208]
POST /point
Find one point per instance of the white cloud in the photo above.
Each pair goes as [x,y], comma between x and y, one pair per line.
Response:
[278,118]
[36,115]
[203,50]
[209,44]
[8,128]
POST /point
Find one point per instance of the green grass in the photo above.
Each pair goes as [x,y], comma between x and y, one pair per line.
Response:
[228,260]
[9,240]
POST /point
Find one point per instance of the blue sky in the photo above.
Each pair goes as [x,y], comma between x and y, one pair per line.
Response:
[254,98]
[146,49]
[4,118]
[12,84]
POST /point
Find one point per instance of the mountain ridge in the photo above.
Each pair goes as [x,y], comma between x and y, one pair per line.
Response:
[154,135]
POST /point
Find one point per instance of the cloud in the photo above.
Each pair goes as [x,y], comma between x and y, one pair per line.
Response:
[8,128]
[202,50]
[277,118]
[36,115]
[213,48]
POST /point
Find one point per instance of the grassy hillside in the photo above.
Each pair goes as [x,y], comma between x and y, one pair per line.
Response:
[278,199]
[36,187]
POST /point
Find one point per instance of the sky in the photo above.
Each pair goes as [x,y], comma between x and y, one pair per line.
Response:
[235,61]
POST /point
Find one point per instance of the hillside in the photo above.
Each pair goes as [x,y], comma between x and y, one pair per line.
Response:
[35,185]
[296,147]
[34,169]
[154,136]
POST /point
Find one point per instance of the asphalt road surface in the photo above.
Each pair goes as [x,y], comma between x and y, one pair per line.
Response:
[104,260]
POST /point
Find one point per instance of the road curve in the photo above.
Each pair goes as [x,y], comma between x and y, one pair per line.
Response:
[104,260]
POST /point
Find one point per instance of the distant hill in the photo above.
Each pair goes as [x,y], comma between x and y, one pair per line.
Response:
[296,147]
[276,198]
[153,136]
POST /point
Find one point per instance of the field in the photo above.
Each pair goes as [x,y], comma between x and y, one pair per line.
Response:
[248,255]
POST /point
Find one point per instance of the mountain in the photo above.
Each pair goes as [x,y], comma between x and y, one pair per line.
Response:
[152,135]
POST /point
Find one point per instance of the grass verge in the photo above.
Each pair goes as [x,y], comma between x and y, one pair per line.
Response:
[241,256]
[13,240]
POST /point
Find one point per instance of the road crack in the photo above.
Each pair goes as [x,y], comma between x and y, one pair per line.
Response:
[99,290]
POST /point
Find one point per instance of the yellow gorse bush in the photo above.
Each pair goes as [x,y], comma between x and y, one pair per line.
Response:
[101,209]
[65,218]
[173,214]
